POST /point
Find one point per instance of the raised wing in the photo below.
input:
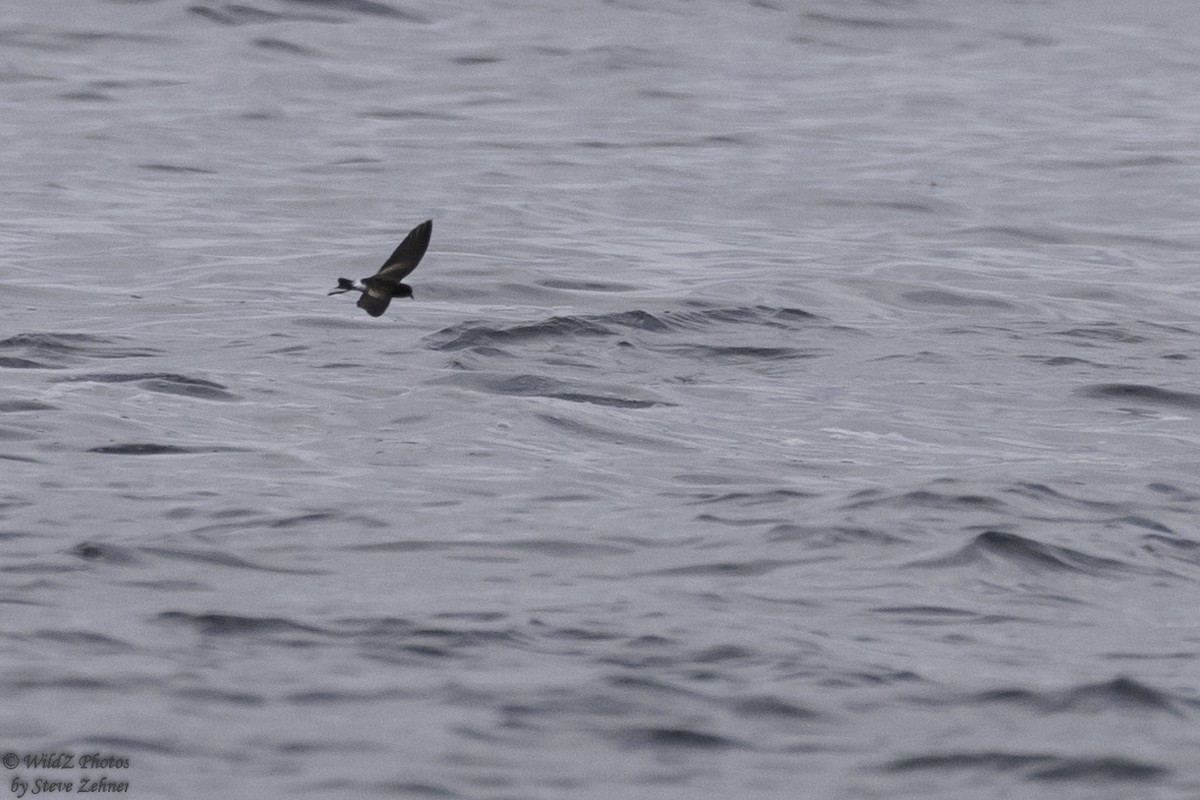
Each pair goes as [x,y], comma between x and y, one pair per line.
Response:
[406,257]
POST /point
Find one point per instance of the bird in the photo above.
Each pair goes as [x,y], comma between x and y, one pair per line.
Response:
[379,289]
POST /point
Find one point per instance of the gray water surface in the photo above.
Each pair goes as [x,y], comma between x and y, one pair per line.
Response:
[798,399]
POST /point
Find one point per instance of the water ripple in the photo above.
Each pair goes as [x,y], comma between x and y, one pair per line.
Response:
[528,385]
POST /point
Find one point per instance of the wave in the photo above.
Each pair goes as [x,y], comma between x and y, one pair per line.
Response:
[476,334]
[60,350]
[161,382]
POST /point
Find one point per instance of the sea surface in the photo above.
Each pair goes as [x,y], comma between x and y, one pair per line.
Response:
[799,399]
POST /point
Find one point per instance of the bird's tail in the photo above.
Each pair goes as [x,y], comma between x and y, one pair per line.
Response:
[344,285]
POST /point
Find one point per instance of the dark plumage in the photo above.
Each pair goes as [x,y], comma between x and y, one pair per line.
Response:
[379,289]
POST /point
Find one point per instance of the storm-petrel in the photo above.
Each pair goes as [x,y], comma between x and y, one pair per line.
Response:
[379,289]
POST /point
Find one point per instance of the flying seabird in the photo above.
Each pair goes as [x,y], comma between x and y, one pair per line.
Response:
[379,289]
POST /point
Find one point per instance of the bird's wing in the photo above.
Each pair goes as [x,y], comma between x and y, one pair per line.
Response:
[406,257]
[375,299]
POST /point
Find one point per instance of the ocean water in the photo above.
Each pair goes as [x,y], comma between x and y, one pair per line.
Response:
[799,399]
